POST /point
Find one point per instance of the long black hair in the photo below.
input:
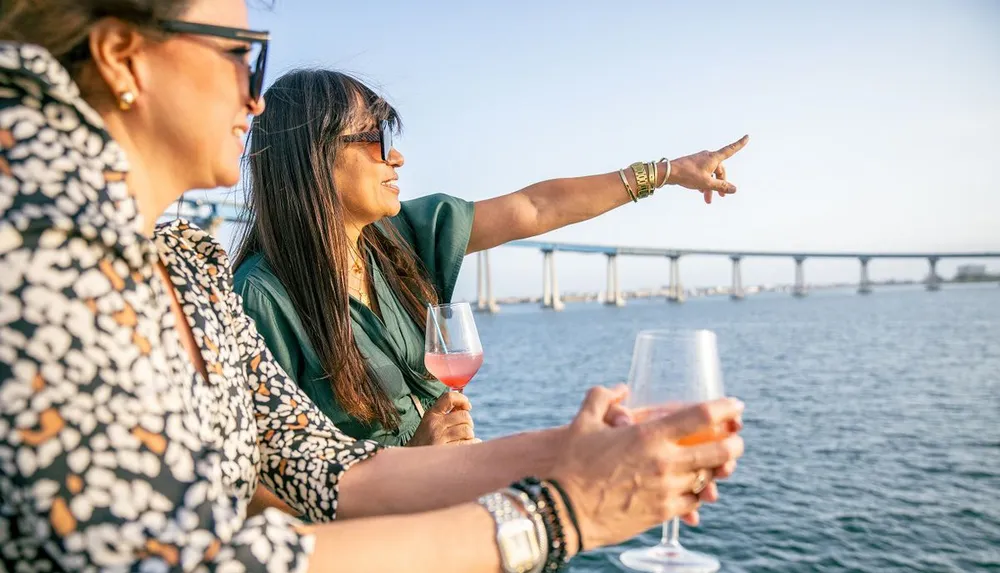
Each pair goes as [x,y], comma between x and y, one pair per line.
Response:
[296,219]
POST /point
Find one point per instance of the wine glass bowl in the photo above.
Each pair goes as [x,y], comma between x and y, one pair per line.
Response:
[670,370]
[453,352]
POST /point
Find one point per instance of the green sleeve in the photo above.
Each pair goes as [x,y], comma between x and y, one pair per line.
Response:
[438,228]
[276,329]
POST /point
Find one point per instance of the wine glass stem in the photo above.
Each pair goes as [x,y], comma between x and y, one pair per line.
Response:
[671,534]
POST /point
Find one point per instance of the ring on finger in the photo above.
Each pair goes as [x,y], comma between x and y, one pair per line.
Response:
[700,483]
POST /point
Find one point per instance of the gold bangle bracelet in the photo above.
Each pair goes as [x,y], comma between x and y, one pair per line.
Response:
[652,177]
[666,176]
[628,188]
[649,183]
[649,180]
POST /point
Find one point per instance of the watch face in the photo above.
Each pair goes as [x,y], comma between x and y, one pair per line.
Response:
[518,544]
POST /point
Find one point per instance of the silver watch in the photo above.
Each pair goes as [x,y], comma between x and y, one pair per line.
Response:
[517,538]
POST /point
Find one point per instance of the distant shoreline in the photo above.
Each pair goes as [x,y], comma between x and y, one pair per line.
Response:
[703,292]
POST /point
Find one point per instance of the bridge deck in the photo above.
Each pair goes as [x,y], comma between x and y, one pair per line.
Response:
[667,252]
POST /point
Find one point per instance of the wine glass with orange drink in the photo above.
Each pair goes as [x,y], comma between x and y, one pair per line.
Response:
[670,370]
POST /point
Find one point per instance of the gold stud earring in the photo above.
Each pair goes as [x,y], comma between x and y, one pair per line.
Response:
[125,100]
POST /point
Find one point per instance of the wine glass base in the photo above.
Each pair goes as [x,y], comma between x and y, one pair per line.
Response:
[669,559]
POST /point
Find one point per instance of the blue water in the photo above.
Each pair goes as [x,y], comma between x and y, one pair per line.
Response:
[873,441]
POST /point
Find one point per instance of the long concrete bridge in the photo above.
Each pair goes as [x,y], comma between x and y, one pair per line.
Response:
[675,291]
[210,214]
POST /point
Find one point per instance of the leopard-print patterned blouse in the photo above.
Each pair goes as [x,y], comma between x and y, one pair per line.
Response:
[114,451]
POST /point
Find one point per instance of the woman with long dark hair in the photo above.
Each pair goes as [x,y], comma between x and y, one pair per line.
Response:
[140,409]
[337,272]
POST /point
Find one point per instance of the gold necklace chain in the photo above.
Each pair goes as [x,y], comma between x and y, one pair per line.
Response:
[358,270]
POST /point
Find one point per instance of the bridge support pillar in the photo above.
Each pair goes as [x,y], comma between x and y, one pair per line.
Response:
[675,293]
[613,294]
[546,287]
[799,290]
[550,283]
[737,292]
[485,302]
[865,285]
[933,282]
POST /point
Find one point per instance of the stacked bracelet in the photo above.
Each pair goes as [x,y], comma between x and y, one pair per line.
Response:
[541,493]
[647,177]
[571,511]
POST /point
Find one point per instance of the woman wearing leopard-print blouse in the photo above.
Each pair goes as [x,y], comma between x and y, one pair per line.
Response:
[139,408]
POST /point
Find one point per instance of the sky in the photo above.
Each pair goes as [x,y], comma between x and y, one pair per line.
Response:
[874,126]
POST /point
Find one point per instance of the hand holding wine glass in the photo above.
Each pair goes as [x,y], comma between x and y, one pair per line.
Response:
[671,370]
[447,421]
[625,479]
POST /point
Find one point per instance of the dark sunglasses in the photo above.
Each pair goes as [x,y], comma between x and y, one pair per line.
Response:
[258,42]
[382,136]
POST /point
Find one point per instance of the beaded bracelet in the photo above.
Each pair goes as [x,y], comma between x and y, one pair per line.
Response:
[571,511]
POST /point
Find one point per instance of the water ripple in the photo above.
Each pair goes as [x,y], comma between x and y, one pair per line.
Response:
[873,441]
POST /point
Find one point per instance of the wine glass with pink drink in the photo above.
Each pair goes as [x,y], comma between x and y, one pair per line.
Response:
[452,350]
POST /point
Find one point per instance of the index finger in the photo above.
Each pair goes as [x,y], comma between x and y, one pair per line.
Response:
[450,401]
[599,400]
[618,415]
[460,401]
[731,149]
[704,416]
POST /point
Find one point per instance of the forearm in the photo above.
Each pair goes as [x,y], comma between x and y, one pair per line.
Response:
[459,539]
[549,205]
[561,202]
[407,480]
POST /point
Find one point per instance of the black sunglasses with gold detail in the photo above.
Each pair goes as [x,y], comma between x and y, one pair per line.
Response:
[382,136]
[258,42]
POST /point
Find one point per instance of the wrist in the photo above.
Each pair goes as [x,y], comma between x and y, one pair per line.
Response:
[537,452]
[555,441]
